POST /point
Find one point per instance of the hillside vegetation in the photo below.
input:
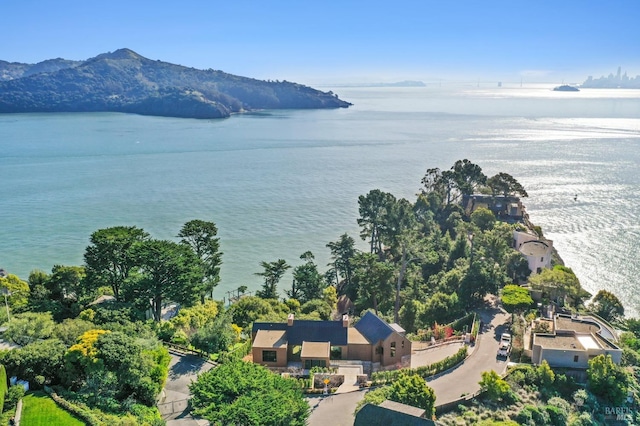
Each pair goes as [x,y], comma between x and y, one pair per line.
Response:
[124,81]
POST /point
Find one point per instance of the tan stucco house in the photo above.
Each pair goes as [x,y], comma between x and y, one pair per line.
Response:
[321,343]
[573,342]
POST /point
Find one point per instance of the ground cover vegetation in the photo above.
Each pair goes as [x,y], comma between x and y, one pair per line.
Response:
[94,333]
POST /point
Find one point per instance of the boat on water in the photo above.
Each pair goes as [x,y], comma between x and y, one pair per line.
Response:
[566,88]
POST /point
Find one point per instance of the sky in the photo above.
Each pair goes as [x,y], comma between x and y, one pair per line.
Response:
[345,41]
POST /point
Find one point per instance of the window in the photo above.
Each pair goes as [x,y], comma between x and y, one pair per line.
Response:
[393,349]
[310,363]
[403,344]
[575,358]
[269,356]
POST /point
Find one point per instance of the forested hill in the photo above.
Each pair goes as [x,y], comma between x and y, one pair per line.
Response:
[123,81]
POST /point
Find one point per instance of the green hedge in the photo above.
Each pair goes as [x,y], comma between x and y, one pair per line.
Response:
[4,386]
[84,413]
[236,354]
[384,377]
[458,325]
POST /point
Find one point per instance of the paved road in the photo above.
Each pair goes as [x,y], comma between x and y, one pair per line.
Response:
[334,410]
[183,369]
[464,379]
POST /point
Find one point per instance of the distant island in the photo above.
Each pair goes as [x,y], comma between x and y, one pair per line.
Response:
[617,81]
[124,81]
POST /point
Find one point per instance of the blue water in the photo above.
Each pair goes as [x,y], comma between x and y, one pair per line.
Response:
[279,183]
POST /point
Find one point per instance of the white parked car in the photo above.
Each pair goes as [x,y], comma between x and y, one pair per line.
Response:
[505,345]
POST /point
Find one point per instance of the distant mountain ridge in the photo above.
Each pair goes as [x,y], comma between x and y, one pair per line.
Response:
[124,81]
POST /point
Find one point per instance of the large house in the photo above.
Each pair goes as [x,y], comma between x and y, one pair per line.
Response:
[507,208]
[573,341]
[320,343]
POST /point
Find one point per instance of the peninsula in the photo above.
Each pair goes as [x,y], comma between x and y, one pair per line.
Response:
[124,81]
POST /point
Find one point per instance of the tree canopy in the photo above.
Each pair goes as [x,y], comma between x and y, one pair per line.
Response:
[249,394]
[201,235]
[515,299]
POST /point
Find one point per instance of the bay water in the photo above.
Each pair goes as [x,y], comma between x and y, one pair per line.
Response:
[279,183]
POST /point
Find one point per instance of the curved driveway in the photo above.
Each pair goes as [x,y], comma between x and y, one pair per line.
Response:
[464,379]
[337,410]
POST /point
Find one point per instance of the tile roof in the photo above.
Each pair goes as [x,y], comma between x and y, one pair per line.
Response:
[373,328]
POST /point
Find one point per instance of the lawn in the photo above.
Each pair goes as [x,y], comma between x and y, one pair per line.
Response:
[40,410]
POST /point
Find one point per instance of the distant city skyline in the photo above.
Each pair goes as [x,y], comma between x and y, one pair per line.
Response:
[340,42]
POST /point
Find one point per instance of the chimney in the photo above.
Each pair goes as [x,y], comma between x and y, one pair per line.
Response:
[290,320]
[345,320]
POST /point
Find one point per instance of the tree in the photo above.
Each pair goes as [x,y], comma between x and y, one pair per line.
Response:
[62,293]
[483,218]
[495,387]
[308,282]
[216,336]
[17,291]
[545,374]
[317,308]
[272,274]
[342,253]
[504,184]
[515,299]
[201,237]
[558,283]
[109,259]
[607,380]
[253,308]
[245,393]
[374,208]
[413,390]
[440,307]
[28,327]
[607,305]
[467,176]
[373,279]
[166,271]
[39,358]
[517,266]
[105,364]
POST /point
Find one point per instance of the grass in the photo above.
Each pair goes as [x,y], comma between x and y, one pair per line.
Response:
[40,410]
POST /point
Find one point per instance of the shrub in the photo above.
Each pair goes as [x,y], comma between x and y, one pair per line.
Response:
[15,393]
[3,386]
[557,416]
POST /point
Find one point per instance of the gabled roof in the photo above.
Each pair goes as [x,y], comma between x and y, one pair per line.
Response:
[373,328]
[308,331]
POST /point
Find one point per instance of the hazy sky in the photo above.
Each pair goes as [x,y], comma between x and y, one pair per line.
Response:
[311,41]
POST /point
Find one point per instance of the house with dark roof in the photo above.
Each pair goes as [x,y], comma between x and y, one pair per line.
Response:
[321,343]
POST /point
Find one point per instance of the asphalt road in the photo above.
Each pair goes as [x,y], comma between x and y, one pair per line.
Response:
[334,410]
[464,379]
[183,369]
